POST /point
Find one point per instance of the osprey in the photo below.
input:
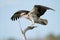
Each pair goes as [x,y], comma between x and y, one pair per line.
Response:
[33,15]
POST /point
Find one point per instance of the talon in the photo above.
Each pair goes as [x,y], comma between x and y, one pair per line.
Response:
[32,27]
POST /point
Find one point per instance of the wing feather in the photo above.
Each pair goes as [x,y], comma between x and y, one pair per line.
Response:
[17,14]
[40,10]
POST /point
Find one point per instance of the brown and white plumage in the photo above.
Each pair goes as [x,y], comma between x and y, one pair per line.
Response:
[33,15]
[19,14]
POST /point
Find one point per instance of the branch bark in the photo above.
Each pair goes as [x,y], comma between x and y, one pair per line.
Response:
[28,28]
[25,30]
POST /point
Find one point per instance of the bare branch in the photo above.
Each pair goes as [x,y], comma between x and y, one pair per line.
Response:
[25,30]
[28,28]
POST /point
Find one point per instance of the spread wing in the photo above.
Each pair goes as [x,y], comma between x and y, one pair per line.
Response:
[40,10]
[18,14]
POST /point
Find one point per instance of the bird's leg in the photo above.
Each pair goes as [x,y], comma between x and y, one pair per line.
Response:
[32,23]
[31,20]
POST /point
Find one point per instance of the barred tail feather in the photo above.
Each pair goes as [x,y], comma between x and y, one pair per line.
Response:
[42,21]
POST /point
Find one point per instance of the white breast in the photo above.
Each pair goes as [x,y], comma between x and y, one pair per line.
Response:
[34,17]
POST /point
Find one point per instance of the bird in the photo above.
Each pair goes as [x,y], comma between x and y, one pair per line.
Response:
[34,15]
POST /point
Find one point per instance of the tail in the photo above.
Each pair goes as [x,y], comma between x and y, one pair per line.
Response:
[43,21]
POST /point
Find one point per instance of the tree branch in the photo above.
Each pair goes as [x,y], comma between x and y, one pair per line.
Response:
[25,30]
[29,28]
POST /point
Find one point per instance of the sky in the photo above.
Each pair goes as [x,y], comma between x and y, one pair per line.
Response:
[9,28]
